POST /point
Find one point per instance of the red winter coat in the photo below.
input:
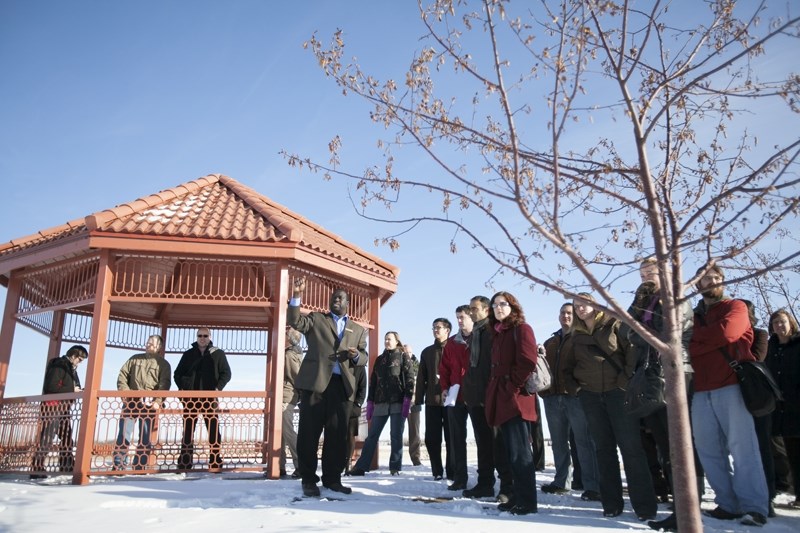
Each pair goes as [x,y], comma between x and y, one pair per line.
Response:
[513,359]
[724,325]
[455,359]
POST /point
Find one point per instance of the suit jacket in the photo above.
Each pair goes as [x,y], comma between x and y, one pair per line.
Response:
[323,345]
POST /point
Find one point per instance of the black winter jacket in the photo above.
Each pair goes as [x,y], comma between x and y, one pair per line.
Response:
[60,377]
[197,371]
[392,379]
[783,361]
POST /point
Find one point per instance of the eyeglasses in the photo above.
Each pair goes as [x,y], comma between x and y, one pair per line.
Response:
[202,336]
[437,328]
[500,304]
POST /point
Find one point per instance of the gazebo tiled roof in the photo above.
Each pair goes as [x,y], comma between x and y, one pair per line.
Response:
[216,208]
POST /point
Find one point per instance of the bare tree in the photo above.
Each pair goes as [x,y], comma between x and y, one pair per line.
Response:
[593,134]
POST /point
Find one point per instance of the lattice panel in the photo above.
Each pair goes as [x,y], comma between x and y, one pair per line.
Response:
[59,285]
[239,341]
[41,322]
[320,287]
[182,278]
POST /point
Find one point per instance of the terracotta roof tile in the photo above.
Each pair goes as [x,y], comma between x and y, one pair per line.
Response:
[213,207]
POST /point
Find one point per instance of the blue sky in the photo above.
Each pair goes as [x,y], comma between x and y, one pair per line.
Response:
[105,102]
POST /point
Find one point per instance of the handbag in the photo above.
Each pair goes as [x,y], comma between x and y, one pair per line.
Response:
[759,389]
[644,394]
[540,379]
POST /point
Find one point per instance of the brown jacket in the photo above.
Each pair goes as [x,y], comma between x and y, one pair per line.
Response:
[587,368]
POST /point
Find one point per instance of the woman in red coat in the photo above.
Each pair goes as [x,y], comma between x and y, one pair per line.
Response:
[508,406]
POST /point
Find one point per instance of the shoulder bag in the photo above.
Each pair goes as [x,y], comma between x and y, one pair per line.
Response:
[759,389]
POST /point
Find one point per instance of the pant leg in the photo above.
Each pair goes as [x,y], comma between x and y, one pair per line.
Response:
[186,459]
[558,423]
[783,468]
[211,420]
[434,425]
[484,441]
[289,435]
[337,416]
[309,430]
[516,436]
[793,455]
[586,465]
[371,443]
[123,442]
[414,441]
[763,426]
[628,437]
[608,467]
[457,418]
[398,424]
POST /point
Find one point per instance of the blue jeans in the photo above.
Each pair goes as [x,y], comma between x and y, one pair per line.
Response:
[517,440]
[563,413]
[126,425]
[376,426]
[726,442]
[610,428]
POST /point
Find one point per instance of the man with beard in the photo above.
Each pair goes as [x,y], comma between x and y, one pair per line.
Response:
[429,392]
[327,387]
[489,441]
[724,433]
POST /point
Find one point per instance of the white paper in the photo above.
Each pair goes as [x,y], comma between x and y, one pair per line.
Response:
[452,394]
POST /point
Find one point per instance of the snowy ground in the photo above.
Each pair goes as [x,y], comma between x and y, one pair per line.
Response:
[227,503]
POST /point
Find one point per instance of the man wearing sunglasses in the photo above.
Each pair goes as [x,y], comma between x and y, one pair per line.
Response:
[202,367]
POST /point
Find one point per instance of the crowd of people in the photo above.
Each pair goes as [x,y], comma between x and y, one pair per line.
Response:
[479,372]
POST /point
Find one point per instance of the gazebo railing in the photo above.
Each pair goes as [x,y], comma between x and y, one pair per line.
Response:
[38,434]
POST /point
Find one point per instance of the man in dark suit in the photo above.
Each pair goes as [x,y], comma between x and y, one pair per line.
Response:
[327,386]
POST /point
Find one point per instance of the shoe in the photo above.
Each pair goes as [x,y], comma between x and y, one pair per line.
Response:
[645,517]
[552,488]
[38,476]
[282,473]
[613,513]
[670,523]
[523,510]
[394,472]
[310,489]
[438,478]
[503,498]
[506,506]
[356,471]
[590,496]
[285,476]
[456,485]
[771,511]
[479,492]
[721,514]
[753,519]
[337,487]
[416,463]
[295,475]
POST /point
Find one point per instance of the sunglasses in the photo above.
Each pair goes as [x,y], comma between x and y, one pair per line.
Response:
[202,336]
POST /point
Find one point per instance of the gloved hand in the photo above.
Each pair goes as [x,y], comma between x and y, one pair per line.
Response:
[406,407]
[370,410]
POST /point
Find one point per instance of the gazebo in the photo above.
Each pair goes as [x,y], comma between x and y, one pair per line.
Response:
[208,253]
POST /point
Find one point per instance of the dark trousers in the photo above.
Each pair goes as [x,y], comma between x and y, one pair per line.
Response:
[192,409]
[352,432]
[516,438]
[577,479]
[413,434]
[763,425]
[610,428]
[328,410]
[56,421]
[491,453]
[436,425]
[793,454]
[457,418]
[783,470]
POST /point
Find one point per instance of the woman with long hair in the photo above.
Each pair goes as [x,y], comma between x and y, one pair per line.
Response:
[391,386]
[783,360]
[508,405]
[597,370]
